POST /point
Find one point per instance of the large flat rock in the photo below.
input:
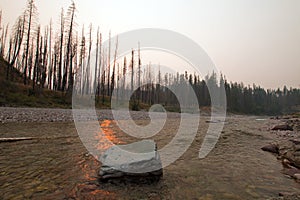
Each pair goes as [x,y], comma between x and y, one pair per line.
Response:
[139,159]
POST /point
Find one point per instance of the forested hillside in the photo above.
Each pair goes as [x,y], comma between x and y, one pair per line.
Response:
[41,66]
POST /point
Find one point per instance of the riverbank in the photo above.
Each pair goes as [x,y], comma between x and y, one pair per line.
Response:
[286,147]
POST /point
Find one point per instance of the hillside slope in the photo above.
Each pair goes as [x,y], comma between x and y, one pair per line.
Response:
[14,93]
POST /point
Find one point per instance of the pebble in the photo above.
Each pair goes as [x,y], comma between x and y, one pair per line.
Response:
[297,176]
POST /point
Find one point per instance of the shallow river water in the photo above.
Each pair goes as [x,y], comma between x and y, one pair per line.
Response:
[56,165]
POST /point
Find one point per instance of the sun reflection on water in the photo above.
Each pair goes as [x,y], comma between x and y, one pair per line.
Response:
[109,134]
[89,166]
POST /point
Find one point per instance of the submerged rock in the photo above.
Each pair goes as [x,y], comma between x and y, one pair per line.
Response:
[273,148]
[282,127]
[137,161]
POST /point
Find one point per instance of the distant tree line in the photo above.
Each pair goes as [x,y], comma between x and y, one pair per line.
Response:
[61,60]
[249,99]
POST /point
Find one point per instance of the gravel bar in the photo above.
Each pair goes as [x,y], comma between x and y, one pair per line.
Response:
[21,115]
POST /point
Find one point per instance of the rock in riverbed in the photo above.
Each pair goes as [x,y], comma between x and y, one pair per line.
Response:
[289,153]
[287,196]
[290,150]
[137,161]
[297,177]
[273,148]
[282,127]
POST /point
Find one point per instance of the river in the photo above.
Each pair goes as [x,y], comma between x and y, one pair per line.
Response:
[56,165]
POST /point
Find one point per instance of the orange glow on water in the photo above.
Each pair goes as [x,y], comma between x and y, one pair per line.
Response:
[108,133]
[90,191]
[89,166]
[87,173]
[101,192]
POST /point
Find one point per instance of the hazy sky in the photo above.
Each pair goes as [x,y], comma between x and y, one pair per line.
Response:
[254,41]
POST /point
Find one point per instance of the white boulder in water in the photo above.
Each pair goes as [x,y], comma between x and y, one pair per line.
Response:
[139,159]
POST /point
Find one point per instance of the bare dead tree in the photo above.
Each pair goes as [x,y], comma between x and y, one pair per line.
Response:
[18,33]
[96,62]
[3,40]
[139,74]
[100,65]
[132,70]
[60,65]
[82,62]
[50,61]
[124,78]
[31,60]
[9,53]
[30,13]
[44,57]
[118,82]
[150,86]
[103,77]
[73,57]
[158,85]
[88,67]
[108,64]
[15,43]
[55,62]
[114,70]
[70,20]
[40,63]
[36,65]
